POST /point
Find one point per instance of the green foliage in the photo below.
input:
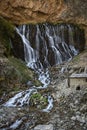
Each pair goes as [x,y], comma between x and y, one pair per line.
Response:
[23,71]
[6,28]
[6,33]
[38,101]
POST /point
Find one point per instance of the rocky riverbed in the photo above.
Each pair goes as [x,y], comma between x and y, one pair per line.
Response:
[70,104]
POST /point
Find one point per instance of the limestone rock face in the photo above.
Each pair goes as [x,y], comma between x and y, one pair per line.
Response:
[34,11]
[38,11]
[31,11]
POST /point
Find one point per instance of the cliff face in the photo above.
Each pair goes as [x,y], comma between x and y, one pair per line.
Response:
[34,11]
[37,11]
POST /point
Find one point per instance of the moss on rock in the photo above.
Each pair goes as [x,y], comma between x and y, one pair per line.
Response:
[24,73]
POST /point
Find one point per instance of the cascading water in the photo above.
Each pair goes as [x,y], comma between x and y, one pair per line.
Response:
[45,45]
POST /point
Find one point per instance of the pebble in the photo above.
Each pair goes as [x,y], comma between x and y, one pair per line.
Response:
[78,113]
[73,118]
[76,102]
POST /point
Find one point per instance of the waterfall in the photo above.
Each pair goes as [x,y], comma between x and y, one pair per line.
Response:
[45,45]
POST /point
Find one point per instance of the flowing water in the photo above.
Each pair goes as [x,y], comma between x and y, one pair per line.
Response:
[44,46]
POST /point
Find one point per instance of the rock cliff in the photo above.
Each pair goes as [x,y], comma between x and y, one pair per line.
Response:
[38,11]
[33,11]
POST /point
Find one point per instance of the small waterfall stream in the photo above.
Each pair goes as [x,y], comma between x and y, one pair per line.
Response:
[45,45]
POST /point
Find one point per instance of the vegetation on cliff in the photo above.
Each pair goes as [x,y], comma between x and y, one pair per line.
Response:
[6,32]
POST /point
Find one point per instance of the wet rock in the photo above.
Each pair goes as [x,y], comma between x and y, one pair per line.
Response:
[83,108]
[17,46]
[16,124]
[29,83]
[20,118]
[73,118]
[44,127]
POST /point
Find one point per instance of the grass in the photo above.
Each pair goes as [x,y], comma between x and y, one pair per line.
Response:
[23,71]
